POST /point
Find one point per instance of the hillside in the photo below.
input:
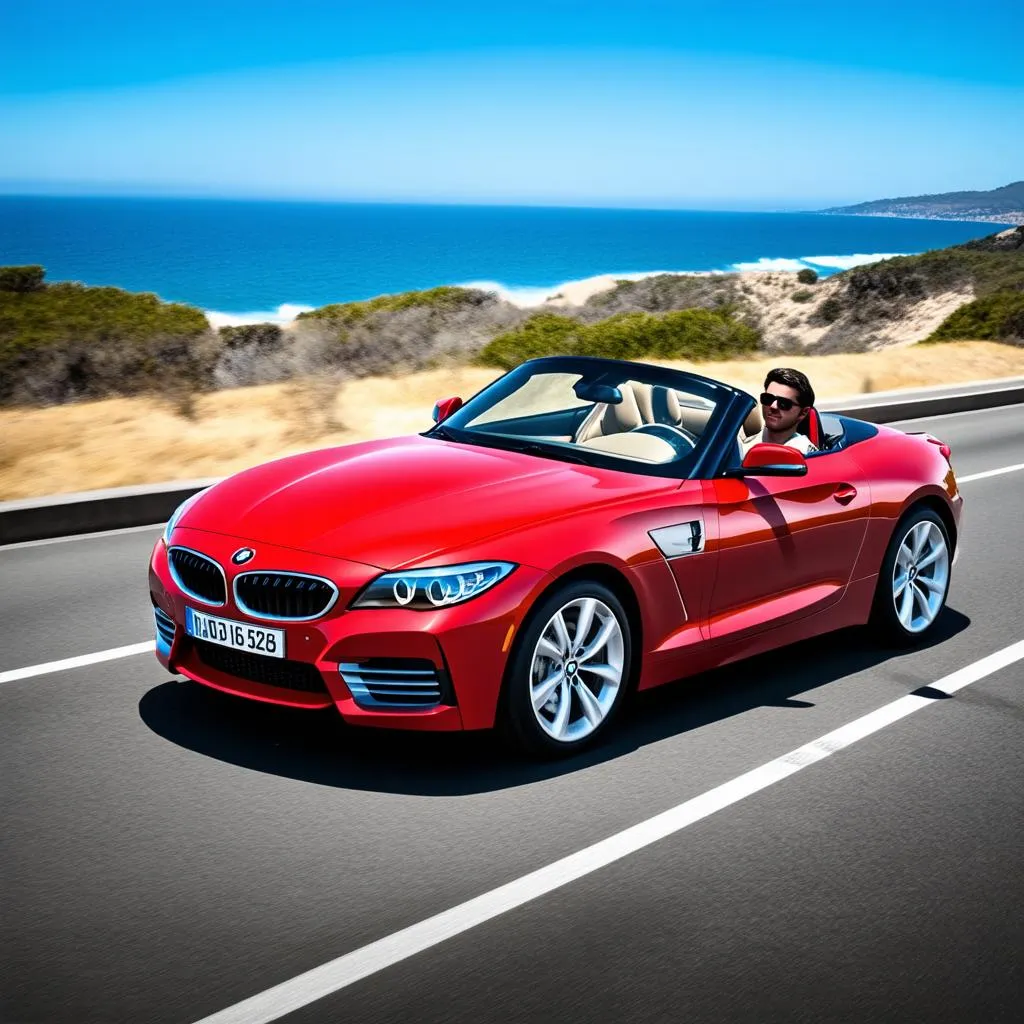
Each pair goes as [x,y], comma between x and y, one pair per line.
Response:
[63,342]
[999,205]
[986,271]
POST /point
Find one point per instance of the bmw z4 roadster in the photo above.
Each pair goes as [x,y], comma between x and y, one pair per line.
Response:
[578,529]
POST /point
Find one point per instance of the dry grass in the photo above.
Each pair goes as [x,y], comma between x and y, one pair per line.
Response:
[141,440]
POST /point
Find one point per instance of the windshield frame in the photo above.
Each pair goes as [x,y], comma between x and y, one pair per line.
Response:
[731,408]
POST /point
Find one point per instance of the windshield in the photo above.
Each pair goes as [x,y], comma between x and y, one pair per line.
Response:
[602,412]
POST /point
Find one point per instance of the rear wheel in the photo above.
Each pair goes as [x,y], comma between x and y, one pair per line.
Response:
[568,674]
[914,579]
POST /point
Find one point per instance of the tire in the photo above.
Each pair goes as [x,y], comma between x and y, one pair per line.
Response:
[917,561]
[554,703]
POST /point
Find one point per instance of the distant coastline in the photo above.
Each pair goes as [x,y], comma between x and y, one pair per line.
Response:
[1003,205]
[1011,219]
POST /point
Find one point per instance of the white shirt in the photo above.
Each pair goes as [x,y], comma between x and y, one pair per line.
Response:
[800,442]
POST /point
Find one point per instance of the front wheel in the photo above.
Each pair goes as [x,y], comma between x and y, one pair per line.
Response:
[914,578]
[569,671]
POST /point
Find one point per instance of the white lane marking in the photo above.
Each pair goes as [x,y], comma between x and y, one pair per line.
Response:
[990,472]
[77,662]
[322,981]
[79,536]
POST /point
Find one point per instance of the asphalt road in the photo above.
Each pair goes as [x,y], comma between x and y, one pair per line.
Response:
[168,851]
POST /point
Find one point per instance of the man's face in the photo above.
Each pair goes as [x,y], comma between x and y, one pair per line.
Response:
[777,419]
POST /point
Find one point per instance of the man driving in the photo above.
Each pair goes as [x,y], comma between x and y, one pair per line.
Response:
[785,402]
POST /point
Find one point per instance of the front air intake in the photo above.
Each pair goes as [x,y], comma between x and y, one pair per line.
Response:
[393,682]
[164,627]
[197,575]
[289,596]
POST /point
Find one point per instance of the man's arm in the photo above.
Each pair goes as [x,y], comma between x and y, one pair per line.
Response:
[802,443]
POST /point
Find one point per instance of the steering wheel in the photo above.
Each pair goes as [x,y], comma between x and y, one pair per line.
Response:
[681,439]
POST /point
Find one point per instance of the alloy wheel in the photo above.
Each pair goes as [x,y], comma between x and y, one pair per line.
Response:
[577,670]
[920,576]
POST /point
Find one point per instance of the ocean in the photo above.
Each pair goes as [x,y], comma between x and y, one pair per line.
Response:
[245,261]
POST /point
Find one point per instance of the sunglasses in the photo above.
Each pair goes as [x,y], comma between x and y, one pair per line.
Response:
[784,404]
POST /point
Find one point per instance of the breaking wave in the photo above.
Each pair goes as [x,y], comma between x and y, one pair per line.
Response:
[857,259]
[828,263]
[576,292]
[284,314]
[568,292]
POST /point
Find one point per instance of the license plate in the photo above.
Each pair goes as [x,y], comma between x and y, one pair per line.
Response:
[240,635]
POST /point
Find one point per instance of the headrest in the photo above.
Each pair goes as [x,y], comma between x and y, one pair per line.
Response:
[666,405]
[644,394]
[624,415]
[657,404]
[753,423]
[611,419]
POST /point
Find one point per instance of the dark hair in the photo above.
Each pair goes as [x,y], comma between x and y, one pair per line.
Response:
[792,379]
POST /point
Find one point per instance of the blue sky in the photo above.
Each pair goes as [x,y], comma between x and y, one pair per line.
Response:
[769,105]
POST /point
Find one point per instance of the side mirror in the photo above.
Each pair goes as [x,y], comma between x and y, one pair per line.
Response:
[445,407]
[771,460]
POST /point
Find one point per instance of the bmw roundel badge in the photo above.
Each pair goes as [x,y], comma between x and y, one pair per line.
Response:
[242,555]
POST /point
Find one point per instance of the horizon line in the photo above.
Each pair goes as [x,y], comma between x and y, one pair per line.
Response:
[752,205]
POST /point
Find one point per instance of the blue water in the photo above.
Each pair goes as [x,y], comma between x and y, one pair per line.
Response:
[240,256]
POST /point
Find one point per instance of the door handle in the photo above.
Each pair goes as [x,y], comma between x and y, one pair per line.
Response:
[844,493]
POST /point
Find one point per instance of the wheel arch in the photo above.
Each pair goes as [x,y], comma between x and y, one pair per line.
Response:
[937,505]
[618,583]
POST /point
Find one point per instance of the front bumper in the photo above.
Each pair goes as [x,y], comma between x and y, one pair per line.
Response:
[466,646]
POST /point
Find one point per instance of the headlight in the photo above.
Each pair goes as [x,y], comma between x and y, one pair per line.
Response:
[426,589]
[179,512]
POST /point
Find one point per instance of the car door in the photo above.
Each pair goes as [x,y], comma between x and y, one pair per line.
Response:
[786,545]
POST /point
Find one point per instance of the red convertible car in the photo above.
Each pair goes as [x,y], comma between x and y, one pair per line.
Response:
[579,528]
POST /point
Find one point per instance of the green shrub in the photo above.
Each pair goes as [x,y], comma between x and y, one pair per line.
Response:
[807,276]
[802,296]
[995,317]
[445,298]
[984,269]
[543,334]
[698,334]
[68,311]
[830,310]
[21,279]
[65,340]
[258,335]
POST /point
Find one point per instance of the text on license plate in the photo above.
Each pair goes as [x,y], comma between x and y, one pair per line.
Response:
[239,635]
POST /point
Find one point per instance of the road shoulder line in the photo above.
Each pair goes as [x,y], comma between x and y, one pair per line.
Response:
[80,660]
[349,968]
[990,472]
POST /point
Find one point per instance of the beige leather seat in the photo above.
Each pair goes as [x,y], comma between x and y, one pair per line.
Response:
[661,405]
[653,400]
[750,432]
[605,419]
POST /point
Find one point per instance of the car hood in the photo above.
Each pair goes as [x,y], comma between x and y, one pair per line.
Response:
[391,503]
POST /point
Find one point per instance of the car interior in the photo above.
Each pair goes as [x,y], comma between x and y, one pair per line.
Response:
[640,421]
[655,424]
[651,423]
